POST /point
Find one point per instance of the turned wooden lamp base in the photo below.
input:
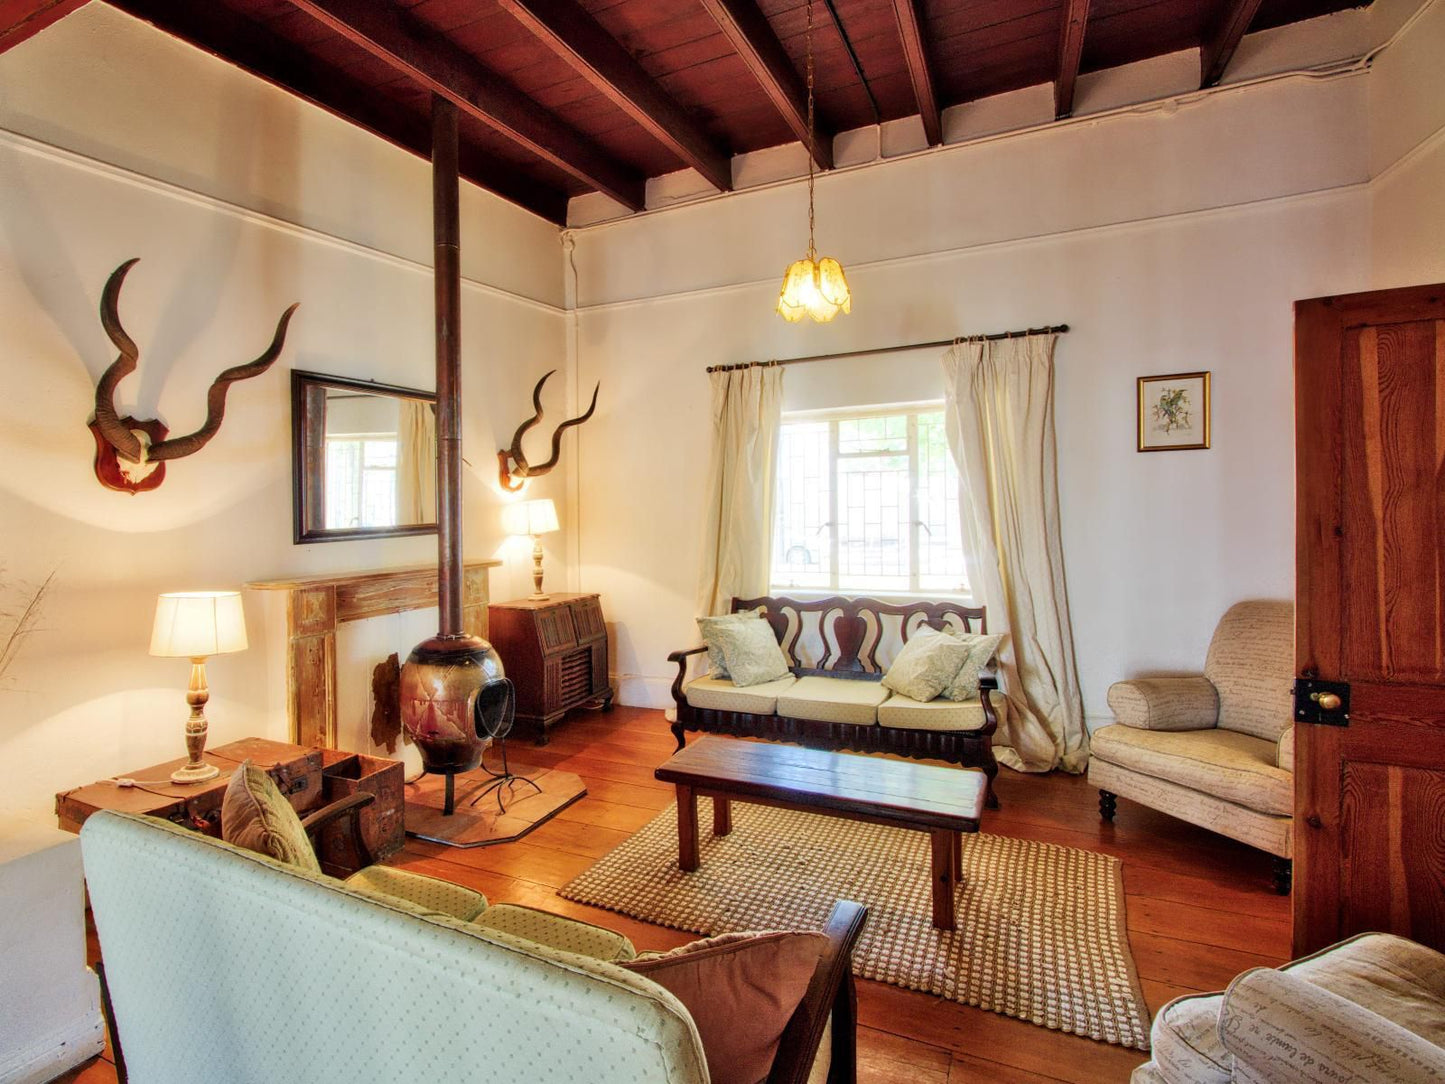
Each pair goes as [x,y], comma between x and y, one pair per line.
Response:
[196,770]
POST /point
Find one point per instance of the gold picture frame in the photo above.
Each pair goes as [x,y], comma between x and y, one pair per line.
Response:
[1174,412]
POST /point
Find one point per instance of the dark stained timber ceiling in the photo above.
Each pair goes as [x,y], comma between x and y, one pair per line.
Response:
[563,97]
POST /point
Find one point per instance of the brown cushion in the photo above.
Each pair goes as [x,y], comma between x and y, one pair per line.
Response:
[257,816]
[740,989]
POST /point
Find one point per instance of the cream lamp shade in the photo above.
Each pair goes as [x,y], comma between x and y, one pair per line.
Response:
[197,624]
[530,517]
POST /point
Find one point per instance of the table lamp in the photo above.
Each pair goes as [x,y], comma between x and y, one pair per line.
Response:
[533,518]
[194,625]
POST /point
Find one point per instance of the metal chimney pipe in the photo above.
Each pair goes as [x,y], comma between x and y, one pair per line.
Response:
[446,248]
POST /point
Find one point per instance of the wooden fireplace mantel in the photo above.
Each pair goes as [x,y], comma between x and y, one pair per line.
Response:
[316,605]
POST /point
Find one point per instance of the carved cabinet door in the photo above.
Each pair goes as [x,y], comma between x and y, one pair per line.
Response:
[1370,633]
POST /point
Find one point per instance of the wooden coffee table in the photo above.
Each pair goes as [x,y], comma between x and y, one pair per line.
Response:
[944,802]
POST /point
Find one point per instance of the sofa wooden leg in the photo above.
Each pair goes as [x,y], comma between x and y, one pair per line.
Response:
[1283,875]
[680,734]
[1106,804]
[990,769]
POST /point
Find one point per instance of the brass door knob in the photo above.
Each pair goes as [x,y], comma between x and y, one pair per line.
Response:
[1328,701]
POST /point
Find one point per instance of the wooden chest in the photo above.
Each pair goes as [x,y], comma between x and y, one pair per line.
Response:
[310,778]
[555,652]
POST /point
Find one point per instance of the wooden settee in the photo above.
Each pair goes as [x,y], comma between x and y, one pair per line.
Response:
[845,640]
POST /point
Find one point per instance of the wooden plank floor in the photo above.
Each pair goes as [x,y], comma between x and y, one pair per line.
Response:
[1200,908]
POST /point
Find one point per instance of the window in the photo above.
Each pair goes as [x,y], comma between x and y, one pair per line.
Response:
[868,502]
[361,480]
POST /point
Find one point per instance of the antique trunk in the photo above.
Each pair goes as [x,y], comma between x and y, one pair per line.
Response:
[310,778]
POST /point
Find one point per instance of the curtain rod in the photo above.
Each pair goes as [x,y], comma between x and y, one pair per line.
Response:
[1055,329]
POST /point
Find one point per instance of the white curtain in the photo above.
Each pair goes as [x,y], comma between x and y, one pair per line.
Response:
[1000,421]
[747,408]
[416,463]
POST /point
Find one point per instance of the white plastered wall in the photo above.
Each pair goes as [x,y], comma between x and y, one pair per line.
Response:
[1407,154]
[118,141]
[1170,239]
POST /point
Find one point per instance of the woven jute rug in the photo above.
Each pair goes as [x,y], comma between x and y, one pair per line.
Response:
[1040,935]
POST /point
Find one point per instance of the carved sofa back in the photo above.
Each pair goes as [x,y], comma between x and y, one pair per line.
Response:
[854,637]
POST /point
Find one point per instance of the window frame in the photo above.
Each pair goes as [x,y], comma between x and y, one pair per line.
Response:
[833,416]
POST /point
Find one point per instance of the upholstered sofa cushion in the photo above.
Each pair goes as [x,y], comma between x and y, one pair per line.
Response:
[716,664]
[1225,763]
[1185,1042]
[905,713]
[1283,1029]
[722,695]
[927,663]
[740,990]
[556,931]
[428,893]
[1389,975]
[1169,703]
[1284,755]
[981,650]
[256,815]
[1251,663]
[750,651]
[833,700]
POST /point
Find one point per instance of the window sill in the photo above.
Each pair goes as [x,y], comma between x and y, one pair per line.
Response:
[808,594]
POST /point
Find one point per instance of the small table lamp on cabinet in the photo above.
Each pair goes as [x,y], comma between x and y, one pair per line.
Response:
[532,518]
[195,625]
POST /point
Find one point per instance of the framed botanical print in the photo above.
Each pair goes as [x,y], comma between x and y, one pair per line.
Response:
[1173,412]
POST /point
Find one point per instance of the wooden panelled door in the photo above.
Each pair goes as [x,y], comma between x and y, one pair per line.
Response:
[1370,624]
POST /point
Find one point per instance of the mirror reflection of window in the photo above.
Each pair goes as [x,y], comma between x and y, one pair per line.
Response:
[363,434]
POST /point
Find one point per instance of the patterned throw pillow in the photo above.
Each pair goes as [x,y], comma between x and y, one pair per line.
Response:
[716,665]
[740,990]
[257,816]
[751,652]
[926,664]
[981,650]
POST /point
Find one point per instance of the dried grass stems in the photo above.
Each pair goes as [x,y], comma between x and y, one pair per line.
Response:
[26,617]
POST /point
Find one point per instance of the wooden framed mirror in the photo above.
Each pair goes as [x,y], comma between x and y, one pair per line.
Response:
[363,459]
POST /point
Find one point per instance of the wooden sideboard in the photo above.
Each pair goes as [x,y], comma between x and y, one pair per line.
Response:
[555,652]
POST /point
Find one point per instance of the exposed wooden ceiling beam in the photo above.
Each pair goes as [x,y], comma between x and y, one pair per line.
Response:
[21,19]
[441,67]
[238,40]
[1217,49]
[1071,50]
[915,52]
[752,36]
[569,31]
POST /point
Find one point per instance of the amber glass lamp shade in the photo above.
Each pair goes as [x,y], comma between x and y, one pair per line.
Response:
[817,289]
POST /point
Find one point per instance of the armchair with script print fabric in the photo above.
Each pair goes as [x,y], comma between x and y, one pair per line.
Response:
[1217,750]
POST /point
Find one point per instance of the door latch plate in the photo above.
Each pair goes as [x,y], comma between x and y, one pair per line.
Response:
[1323,702]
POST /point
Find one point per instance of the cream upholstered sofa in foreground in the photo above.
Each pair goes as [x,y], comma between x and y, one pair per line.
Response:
[1216,750]
[226,965]
[1368,1009]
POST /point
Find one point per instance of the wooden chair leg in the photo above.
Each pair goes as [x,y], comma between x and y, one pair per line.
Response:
[107,1011]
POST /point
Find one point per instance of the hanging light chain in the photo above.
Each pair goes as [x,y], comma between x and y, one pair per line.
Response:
[808,45]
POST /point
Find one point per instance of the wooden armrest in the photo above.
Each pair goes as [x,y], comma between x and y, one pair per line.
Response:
[988,679]
[681,657]
[830,993]
[349,807]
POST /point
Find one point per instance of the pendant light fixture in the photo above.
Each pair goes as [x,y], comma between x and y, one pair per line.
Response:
[813,286]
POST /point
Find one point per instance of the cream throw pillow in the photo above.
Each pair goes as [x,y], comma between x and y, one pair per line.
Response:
[740,990]
[716,665]
[257,816]
[981,650]
[926,664]
[751,652]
